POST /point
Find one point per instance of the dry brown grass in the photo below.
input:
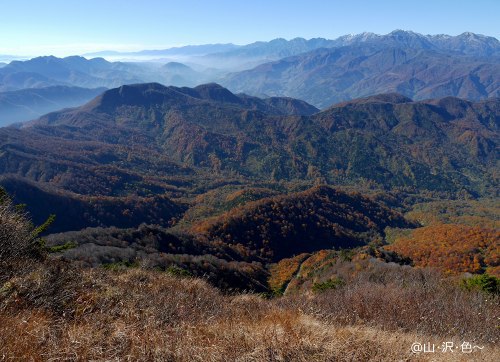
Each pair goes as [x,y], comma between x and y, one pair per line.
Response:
[408,299]
[141,315]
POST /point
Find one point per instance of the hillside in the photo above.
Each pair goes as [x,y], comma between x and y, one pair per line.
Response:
[75,212]
[452,248]
[224,181]
[320,218]
[242,241]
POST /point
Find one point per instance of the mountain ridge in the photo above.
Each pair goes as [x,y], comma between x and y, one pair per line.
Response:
[388,139]
[326,76]
[466,42]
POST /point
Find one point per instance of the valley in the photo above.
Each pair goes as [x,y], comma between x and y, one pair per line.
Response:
[243,180]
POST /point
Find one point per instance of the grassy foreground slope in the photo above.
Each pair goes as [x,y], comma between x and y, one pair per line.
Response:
[145,315]
[51,309]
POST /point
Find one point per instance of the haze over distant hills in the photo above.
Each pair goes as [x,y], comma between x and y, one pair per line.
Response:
[27,104]
[97,72]
[4,58]
[29,89]
[189,50]
[75,71]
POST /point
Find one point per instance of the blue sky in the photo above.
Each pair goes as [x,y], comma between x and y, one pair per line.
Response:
[64,27]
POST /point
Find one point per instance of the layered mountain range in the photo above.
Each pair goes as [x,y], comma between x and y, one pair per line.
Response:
[320,71]
[149,139]
[465,43]
[91,73]
[415,66]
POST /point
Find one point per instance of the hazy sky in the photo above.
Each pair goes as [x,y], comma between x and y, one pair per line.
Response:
[64,27]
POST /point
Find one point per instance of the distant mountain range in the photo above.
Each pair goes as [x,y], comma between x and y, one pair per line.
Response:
[320,71]
[465,43]
[27,104]
[71,71]
[420,67]
[260,52]
[189,50]
[79,72]
[231,57]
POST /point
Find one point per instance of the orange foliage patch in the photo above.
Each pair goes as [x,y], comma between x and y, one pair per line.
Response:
[283,271]
[318,261]
[452,248]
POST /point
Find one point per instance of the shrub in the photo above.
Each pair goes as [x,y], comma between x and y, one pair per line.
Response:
[484,282]
[329,284]
[174,270]
[60,248]
[346,254]
[19,245]
[121,265]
